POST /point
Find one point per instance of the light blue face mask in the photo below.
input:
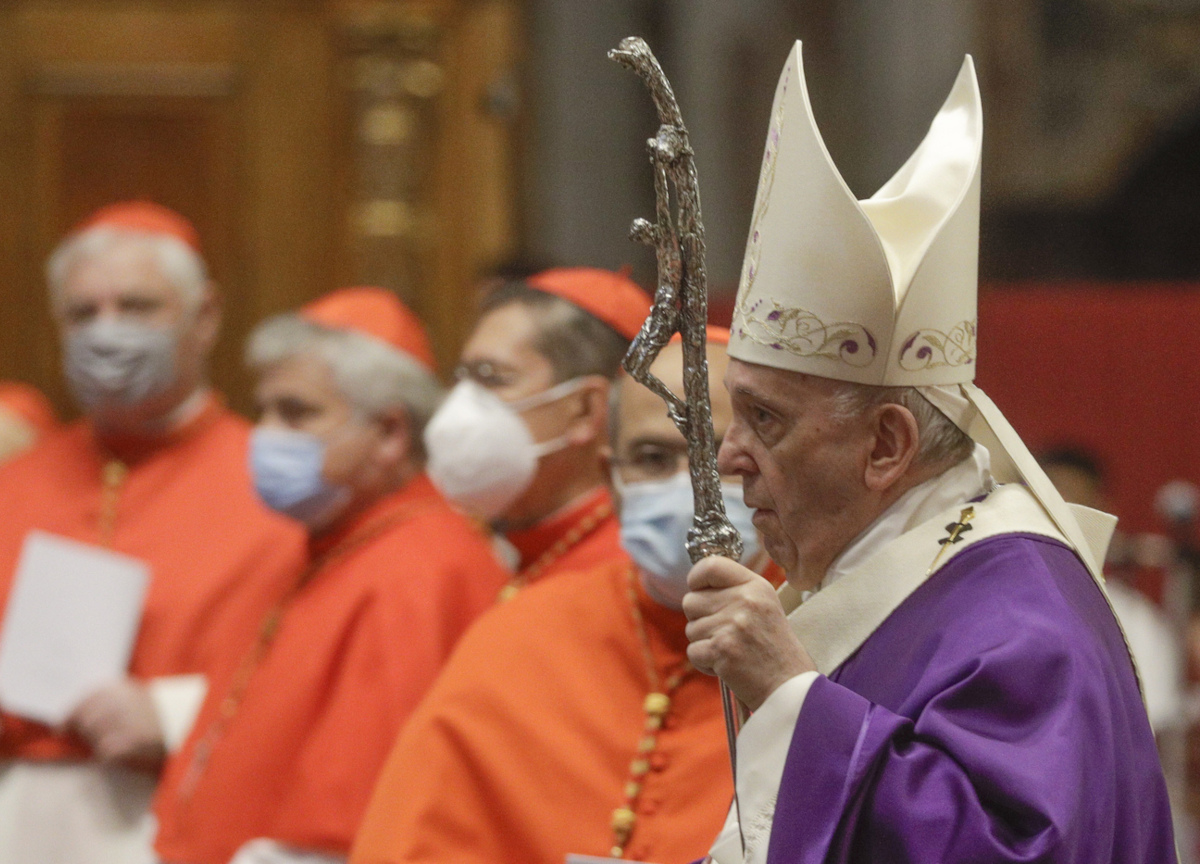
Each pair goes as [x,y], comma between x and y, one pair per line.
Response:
[655,519]
[286,467]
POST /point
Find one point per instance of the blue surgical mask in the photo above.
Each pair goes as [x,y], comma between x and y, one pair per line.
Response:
[655,519]
[287,470]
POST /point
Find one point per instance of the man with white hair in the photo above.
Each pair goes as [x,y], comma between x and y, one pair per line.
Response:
[942,678]
[155,471]
[285,753]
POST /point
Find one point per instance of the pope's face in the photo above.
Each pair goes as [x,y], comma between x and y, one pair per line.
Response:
[802,466]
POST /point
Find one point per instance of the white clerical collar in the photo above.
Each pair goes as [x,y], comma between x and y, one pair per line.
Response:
[968,479]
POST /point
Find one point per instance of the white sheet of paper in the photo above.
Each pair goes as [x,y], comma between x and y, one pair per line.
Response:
[69,628]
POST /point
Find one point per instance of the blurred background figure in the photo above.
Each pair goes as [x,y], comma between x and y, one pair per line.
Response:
[156,471]
[1156,635]
[569,721]
[284,756]
[1178,503]
[521,441]
[1154,639]
[25,416]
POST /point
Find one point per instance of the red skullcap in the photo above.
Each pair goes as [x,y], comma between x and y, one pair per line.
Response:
[146,217]
[375,312]
[611,297]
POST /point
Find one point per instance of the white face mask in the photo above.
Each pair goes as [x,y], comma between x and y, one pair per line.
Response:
[481,454]
[119,364]
[655,518]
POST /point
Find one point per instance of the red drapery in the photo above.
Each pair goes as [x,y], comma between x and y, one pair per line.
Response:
[1115,368]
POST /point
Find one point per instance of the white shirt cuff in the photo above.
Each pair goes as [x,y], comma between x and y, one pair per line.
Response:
[177,700]
[263,851]
[762,750]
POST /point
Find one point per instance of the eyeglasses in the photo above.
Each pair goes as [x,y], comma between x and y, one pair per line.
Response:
[651,461]
[486,375]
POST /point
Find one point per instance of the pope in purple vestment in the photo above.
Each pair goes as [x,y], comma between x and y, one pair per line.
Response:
[993,717]
[942,678]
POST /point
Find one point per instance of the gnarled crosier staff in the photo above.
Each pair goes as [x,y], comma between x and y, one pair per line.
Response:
[681,305]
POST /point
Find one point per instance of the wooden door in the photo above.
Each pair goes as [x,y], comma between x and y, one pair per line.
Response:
[264,122]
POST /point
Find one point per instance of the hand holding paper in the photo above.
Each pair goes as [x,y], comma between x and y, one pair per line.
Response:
[120,723]
[69,628]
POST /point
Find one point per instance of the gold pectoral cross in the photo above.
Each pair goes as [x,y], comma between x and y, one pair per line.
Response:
[956,531]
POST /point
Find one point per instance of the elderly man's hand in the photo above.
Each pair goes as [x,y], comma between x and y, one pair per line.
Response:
[121,725]
[738,631]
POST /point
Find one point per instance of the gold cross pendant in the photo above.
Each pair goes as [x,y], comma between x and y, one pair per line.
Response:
[956,529]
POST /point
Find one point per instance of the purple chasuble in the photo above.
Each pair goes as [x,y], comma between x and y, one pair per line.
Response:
[993,717]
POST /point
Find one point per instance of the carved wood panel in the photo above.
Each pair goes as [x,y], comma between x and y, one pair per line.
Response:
[315,144]
[93,147]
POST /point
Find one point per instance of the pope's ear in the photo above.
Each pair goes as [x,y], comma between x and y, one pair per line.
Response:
[895,442]
[590,422]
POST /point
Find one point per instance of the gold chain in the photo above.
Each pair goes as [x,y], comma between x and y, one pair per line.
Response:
[656,705]
[561,547]
[266,636]
[113,478]
[115,472]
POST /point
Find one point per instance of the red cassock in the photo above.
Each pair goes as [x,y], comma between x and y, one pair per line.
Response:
[294,755]
[525,749]
[185,505]
[582,536]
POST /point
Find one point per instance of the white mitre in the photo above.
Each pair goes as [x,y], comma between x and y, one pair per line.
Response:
[883,291]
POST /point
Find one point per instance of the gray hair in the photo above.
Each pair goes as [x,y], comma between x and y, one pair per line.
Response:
[178,263]
[372,375]
[574,342]
[940,441]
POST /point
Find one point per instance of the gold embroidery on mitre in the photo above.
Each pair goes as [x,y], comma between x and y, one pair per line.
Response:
[762,201]
[930,349]
[800,332]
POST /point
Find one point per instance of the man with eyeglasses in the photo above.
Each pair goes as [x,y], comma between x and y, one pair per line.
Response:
[520,440]
[570,722]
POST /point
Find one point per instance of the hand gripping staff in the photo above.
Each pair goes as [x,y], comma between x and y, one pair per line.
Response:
[681,305]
